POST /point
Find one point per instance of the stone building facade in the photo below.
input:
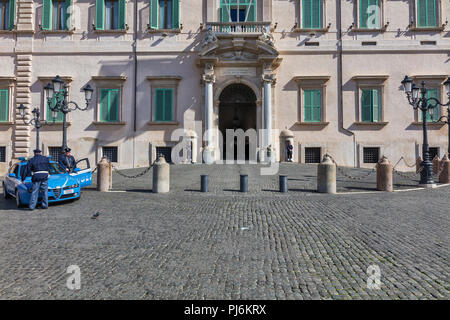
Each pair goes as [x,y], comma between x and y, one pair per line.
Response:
[324,74]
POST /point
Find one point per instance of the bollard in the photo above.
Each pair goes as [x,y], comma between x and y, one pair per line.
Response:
[244,183]
[104,175]
[326,176]
[283,184]
[384,175]
[204,182]
[436,162]
[161,176]
[444,176]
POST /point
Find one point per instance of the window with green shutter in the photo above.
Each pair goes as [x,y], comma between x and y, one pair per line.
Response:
[7,14]
[56,14]
[238,10]
[4,105]
[109,105]
[59,114]
[370,105]
[165,14]
[164,104]
[427,13]
[312,11]
[312,105]
[432,93]
[369,14]
[110,14]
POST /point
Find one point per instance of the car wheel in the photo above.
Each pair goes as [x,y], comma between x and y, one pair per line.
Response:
[18,202]
[6,195]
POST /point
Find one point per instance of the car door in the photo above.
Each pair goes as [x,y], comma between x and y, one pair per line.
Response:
[83,172]
[10,181]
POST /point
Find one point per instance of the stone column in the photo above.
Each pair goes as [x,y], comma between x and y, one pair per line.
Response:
[268,80]
[209,79]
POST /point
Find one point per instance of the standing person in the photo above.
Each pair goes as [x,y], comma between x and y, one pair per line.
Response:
[289,148]
[39,167]
[67,161]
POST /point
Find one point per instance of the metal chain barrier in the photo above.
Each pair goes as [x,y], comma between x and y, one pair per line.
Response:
[140,174]
[404,174]
[357,178]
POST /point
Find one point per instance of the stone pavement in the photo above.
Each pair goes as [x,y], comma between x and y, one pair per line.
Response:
[228,245]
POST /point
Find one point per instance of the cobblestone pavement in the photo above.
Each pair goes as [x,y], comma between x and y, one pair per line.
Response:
[228,245]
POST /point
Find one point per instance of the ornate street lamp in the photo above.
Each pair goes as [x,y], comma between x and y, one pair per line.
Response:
[447,117]
[425,105]
[56,93]
[36,120]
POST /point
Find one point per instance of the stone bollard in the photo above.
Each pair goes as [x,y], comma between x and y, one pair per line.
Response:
[161,176]
[104,175]
[444,176]
[436,162]
[326,176]
[384,175]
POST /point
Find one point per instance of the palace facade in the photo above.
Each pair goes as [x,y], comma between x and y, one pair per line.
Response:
[323,74]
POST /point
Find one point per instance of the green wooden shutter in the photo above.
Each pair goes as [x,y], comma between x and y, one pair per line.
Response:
[154,12]
[12,14]
[100,14]
[104,97]
[122,14]
[363,16]
[366,105]
[59,117]
[307,14]
[433,93]
[159,104]
[47,15]
[4,104]
[307,98]
[316,104]
[224,12]
[316,14]
[251,14]
[113,105]
[375,105]
[68,14]
[168,104]
[432,13]
[176,14]
[427,13]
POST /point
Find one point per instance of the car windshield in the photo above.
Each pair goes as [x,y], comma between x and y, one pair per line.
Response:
[55,169]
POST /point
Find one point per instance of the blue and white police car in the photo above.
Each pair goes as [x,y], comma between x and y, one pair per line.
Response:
[62,185]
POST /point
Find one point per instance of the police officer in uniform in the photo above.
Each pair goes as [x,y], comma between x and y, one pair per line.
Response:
[67,161]
[39,167]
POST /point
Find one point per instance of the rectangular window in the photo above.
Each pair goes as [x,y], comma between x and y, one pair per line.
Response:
[54,152]
[56,14]
[371,155]
[110,153]
[52,104]
[59,14]
[312,14]
[2,154]
[370,105]
[164,104]
[237,10]
[431,93]
[312,155]
[109,105]
[110,14]
[312,102]
[369,14]
[4,105]
[166,152]
[7,14]
[164,14]
[427,13]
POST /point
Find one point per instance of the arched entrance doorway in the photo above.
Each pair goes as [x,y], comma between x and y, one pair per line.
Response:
[237,110]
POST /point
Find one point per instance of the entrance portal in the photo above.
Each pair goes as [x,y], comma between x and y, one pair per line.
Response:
[237,110]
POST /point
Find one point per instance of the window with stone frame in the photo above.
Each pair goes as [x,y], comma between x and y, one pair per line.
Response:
[238,10]
[369,14]
[163,95]
[312,98]
[165,14]
[312,14]
[110,15]
[7,14]
[427,13]
[56,15]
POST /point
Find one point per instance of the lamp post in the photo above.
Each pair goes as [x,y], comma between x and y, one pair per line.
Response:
[57,93]
[36,120]
[425,105]
[447,117]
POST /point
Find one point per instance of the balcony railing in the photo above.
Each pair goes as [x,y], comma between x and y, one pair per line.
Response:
[240,28]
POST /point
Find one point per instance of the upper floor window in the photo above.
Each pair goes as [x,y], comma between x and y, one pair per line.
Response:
[370,104]
[164,14]
[313,102]
[427,13]
[237,10]
[110,15]
[432,93]
[370,14]
[56,15]
[4,105]
[109,105]
[312,14]
[7,13]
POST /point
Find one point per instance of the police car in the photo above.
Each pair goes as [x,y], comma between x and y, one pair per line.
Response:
[62,185]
